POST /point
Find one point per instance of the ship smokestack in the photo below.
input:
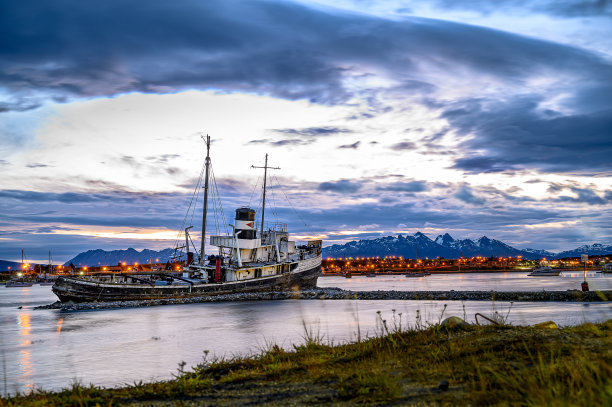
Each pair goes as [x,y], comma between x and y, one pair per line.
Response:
[245,223]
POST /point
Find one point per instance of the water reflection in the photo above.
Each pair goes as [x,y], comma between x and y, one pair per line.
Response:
[25,355]
[24,323]
[27,368]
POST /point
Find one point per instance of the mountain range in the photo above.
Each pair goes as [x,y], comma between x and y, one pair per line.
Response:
[101,257]
[5,264]
[417,245]
[445,246]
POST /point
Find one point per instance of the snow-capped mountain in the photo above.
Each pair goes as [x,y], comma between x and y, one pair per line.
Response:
[538,253]
[592,250]
[445,246]
[406,246]
[101,257]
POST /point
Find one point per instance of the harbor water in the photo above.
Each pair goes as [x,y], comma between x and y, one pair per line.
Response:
[493,281]
[50,349]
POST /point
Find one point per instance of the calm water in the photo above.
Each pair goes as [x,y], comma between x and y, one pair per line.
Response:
[51,349]
[511,281]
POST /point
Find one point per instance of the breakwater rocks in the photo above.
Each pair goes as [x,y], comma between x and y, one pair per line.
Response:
[338,294]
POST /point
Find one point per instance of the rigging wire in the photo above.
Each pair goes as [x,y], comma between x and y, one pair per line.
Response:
[253,192]
[273,206]
[197,198]
[292,207]
[182,228]
[225,227]
[215,212]
[214,202]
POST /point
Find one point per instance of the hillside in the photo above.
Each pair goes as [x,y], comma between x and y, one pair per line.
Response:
[130,256]
[4,265]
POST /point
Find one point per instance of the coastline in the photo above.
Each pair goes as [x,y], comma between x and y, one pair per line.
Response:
[401,273]
[339,294]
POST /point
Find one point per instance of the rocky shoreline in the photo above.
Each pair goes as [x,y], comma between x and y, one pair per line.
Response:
[339,294]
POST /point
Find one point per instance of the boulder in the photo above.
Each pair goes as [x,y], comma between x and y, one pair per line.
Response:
[453,322]
[546,325]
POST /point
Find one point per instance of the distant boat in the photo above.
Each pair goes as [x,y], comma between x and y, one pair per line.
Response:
[18,283]
[371,275]
[415,274]
[544,271]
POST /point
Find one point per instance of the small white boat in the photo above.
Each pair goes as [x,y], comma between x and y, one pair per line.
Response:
[544,271]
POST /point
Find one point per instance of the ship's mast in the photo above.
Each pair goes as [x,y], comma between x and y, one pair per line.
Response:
[263,203]
[205,201]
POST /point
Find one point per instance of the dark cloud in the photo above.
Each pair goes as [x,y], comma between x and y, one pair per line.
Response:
[410,186]
[404,145]
[353,146]
[76,197]
[587,194]
[518,135]
[465,194]
[342,186]
[31,220]
[282,142]
[129,160]
[162,159]
[580,8]
[63,49]
[481,164]
[32,196]
[312,132]
[299,137]
[37,165]
[562,8]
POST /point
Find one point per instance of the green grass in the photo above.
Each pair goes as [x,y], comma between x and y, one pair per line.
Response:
[484,365]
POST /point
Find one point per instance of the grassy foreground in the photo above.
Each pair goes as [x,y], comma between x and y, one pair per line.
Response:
[440,365]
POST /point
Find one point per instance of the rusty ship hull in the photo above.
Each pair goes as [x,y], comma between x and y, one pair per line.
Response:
[79,289]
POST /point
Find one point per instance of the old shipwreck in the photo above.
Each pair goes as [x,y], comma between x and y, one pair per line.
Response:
[246,261]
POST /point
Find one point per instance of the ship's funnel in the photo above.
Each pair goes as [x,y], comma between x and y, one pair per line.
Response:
[245,223]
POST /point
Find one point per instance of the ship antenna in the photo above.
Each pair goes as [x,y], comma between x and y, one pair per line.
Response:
[204,212]
[263,204]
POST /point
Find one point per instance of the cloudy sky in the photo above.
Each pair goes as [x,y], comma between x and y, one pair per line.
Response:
[473,118]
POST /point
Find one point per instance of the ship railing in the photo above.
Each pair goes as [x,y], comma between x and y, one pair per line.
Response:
[278,227]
